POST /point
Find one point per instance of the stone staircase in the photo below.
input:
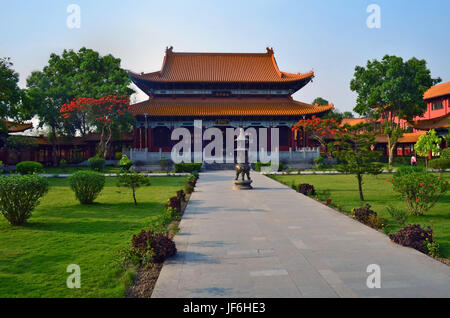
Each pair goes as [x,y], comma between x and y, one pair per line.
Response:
[218,166]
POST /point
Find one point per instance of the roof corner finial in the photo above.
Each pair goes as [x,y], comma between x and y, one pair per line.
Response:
[269,50]
[169,49]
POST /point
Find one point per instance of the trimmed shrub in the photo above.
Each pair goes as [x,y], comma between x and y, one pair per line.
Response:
[403,170]
[413,236]
[306,189]
[87,185]
[19,195]
[440,164]
[420,190]
[125,163]
[96,163]
[364,213]
[29,167]
[118,155]
[259,165]
[154,247]
[187,167]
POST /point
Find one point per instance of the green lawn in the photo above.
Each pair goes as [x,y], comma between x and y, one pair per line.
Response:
[34,257]
[70,170]
[379,194]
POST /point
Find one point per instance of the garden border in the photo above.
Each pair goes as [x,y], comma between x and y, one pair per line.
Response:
[147,276]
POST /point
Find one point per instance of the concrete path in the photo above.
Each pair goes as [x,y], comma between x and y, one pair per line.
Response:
[274,242]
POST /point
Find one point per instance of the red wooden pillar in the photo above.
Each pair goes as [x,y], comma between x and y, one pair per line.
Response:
[141,137]
[269,139]
[292,144]
[135,138]
[149,138]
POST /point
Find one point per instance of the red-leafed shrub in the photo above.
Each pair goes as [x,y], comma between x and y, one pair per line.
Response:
[413,236]
[363,214]
[181,195]
[151,246]
[306,189]
[175,204]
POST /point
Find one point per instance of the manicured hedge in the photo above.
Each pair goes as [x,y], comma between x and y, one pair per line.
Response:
[87,185]
[258,165]
[19,195]
[96,163]
[187,167]
[29,167]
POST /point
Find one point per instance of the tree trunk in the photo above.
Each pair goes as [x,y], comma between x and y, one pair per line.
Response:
[107,143]
[134,197]
[100,146]
[53,142]
[391,147]
[361,196]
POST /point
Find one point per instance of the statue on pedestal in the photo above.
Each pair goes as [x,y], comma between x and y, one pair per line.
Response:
[242,166]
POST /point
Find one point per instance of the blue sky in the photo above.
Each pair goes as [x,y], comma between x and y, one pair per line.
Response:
[328,36]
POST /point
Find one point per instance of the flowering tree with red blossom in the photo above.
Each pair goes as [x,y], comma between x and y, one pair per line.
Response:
[108,115]
[319,129]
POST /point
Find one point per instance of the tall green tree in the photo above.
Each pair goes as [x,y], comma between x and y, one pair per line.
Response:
[11,95]
[353,147]
[392,89]
[320,101]
[72,75]
[427,143]
[337,115]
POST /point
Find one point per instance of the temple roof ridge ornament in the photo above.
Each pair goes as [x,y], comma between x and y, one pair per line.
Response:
[169,49]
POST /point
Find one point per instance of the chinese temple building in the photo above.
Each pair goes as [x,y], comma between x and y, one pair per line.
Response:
[223,90]
[437,116]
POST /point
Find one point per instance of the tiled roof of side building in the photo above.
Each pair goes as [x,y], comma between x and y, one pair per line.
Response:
[353,121]
[437,91]
[226,107]
[433,123]
[406,138]
[220,67]
[17,127]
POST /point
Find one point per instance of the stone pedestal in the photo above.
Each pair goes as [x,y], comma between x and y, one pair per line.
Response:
[242,185]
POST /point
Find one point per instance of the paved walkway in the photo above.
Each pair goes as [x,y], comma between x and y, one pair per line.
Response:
[274,242]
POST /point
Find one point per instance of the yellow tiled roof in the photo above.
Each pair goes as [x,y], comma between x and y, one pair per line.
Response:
[220,67]
[437,91]
[226,107]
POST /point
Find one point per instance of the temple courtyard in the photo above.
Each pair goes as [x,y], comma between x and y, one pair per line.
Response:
[274,242]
